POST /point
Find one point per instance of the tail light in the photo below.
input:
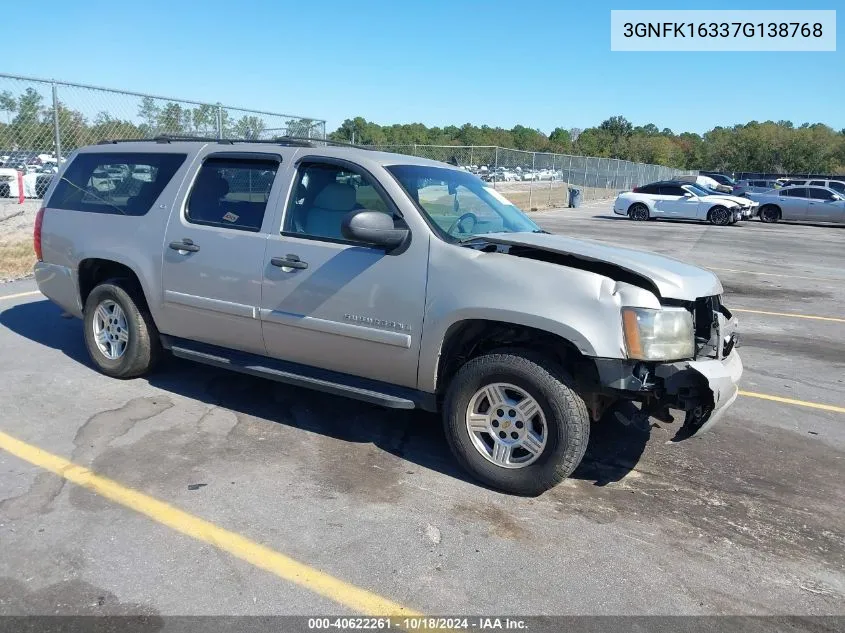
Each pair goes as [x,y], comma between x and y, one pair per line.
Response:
[36,237]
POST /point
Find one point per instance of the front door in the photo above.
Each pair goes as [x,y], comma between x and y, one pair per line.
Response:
[825,206]
[214,253]
[676,202]
[335,304]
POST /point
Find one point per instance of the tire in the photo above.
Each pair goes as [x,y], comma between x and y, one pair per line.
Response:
[719,215]
[769,214]
[142,349]
[638,212]
[562,411]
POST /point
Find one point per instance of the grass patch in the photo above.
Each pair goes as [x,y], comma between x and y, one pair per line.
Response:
[16,259]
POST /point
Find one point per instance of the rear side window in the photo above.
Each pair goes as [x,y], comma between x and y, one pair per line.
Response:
[837,186]
[115,183]
[647,189]
[231,193]
[671,190]
[798,192]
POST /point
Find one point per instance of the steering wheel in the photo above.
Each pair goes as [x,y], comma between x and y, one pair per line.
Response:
[459,223]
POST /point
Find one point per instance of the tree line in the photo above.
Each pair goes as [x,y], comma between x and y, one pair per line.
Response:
[777,147]
[27,123]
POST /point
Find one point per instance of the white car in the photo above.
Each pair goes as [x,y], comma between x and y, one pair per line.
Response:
[683,201]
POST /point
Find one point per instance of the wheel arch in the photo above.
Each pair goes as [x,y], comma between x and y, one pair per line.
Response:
[93,271]
[472,337]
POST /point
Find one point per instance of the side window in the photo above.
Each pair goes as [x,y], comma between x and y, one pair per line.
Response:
[671,190]
[231,193]
[820,194]
[323,195]
[115,182]
[839,187]
[797,192]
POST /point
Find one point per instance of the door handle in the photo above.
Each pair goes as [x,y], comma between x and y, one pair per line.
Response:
[289,261]
[185,245]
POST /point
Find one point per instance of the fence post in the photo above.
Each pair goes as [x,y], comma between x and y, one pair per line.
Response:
[616,177]
[219,121]
[57,135]
[496,161]
[533,176]
[470,156]
[551,180]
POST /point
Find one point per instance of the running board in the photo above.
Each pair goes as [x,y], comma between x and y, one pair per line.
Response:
[375,392]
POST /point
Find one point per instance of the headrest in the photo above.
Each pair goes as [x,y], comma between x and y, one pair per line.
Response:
[336,197]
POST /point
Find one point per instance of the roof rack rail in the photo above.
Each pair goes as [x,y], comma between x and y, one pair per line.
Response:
[293,141]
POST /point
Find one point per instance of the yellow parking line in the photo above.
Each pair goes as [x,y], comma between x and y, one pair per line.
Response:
[20,294]
[754,272]
[789,314]
[800,403]
[286,568]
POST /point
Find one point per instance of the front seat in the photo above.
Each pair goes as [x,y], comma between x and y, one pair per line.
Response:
[331,204]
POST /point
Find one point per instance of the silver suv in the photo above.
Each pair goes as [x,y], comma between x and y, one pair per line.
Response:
[395,280]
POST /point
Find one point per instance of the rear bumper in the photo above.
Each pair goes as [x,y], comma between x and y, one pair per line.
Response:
[58,284]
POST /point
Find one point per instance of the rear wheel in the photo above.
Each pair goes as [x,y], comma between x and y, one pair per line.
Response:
[720,216]
[515,422]
[638,212]
[120,334]
[769,214]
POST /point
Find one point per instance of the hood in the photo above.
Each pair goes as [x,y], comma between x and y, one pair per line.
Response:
[672,278]
[743,202]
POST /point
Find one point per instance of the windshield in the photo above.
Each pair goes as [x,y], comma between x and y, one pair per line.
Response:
[699,190]
[459,204]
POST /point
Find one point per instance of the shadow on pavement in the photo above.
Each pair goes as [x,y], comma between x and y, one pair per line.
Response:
[415,436]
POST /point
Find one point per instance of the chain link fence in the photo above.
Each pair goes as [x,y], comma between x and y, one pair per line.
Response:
[537,180]
[42,121]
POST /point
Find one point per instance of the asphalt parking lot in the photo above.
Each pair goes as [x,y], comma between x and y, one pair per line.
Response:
[748,519]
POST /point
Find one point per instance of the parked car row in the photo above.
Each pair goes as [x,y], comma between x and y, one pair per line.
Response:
[679,199]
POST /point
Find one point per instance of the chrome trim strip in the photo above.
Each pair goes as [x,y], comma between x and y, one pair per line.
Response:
[206,303]
[397,339]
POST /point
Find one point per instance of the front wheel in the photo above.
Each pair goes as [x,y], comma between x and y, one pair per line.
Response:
[769,214]
[720,216]
[515,422]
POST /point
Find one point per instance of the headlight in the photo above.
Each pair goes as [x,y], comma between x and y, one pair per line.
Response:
[665,334]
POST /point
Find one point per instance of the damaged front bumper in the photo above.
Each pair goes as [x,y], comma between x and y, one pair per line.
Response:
[703,387]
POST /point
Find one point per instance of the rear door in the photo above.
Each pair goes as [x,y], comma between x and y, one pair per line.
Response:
[336,304]
[793,203]
[214,251]
[825,206]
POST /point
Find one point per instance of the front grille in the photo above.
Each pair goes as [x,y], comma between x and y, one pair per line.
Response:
[705,317]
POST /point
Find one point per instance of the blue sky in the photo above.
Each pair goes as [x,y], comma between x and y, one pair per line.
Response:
[503,62]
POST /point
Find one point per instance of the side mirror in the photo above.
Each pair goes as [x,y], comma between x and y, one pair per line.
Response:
[372,227]
[687,194]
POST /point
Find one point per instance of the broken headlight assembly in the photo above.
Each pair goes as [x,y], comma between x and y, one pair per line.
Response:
[664,334]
